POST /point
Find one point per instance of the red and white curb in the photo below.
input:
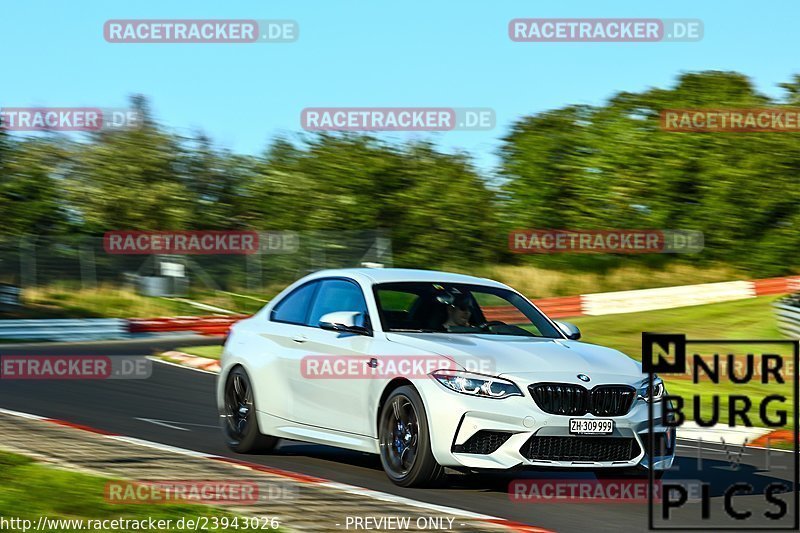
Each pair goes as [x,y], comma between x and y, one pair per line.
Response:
[294,476]
[193,361]
[736,436]
[777,436]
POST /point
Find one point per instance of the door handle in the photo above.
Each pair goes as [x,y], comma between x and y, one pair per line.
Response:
[372,363]
[300,338]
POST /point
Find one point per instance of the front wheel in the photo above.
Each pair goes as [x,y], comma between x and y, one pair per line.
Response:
[405,443]
[239,421]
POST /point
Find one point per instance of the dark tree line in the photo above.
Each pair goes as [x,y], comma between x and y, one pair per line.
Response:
[602,167]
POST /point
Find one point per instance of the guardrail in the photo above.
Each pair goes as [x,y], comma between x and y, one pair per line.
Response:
[561,307]
[9,296]
[219,325]
[788,312]
[787,309]
[207,325]
[64,329]
[557,307]
[785,285]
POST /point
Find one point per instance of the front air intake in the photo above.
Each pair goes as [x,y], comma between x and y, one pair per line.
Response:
[594,449]
[483,442]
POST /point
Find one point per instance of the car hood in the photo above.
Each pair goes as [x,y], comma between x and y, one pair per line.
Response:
[528,359]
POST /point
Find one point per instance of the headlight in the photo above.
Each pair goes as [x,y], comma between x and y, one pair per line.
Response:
[658,391]
[476,384]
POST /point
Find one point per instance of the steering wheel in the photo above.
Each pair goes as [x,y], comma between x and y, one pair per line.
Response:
[488,325]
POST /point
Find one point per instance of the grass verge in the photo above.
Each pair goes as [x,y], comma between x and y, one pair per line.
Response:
[29,490]
[744,319]
[209,352]
[65,300]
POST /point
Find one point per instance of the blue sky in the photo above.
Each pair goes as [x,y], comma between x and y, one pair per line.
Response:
[371,53]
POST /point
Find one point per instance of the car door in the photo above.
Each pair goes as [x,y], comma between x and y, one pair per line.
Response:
[339,400]
[285,337]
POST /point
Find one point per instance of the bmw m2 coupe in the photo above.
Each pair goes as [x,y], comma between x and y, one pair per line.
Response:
[432,370]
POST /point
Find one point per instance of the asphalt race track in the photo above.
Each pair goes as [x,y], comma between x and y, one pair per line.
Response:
[182,400]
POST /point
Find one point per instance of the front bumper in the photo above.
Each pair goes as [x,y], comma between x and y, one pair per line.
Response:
[462,425]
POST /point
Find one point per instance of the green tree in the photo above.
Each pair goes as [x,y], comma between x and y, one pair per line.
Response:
[131,179]
[29,186]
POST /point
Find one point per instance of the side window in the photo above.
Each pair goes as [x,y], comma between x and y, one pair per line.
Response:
[495,307]
[395,307]
[397,300]
[294,307]
[337,295]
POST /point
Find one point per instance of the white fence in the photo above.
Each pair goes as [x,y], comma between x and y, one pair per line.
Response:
[788,312]
[609,303]
[64,329]
[9,296]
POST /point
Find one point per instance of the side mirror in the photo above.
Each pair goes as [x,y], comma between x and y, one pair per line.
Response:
[348,321]
[569,329]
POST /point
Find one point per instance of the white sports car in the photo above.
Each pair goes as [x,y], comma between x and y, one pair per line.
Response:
[432,370]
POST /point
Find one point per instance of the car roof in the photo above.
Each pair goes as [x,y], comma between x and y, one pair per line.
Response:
[389,275]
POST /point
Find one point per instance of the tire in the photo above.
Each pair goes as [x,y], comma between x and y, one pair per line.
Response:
[239,421]
[404,439]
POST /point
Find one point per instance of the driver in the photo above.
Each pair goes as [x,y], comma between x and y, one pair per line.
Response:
[458,313]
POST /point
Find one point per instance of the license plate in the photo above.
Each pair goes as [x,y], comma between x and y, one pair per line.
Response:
[591,426]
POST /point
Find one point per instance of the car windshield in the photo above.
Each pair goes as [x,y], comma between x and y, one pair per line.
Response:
[426,307]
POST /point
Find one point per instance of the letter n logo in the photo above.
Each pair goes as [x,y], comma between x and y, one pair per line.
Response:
[665,353]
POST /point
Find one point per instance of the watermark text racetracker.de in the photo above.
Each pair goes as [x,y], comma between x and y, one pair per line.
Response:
[731,120]
[67,119]
[388,366]
[601,30]
[566,490]
[218,492]
[212,492]
[74,367]
[45,524]
[397,119]
[214,31]
[619,241]
[200,242]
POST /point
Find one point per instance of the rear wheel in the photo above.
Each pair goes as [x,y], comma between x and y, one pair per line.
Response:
[239,421]
[405,445]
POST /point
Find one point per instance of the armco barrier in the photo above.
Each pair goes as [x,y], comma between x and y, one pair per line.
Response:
[560,307]
[610,303]
[64,329]
[563,307]
[207,325]
[219,325]
[788,313]
[506,313]
[9,296]
[777,285]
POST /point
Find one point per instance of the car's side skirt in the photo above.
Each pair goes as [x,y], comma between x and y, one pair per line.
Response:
[287,429]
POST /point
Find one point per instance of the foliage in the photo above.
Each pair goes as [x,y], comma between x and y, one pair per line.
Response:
[583,167]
